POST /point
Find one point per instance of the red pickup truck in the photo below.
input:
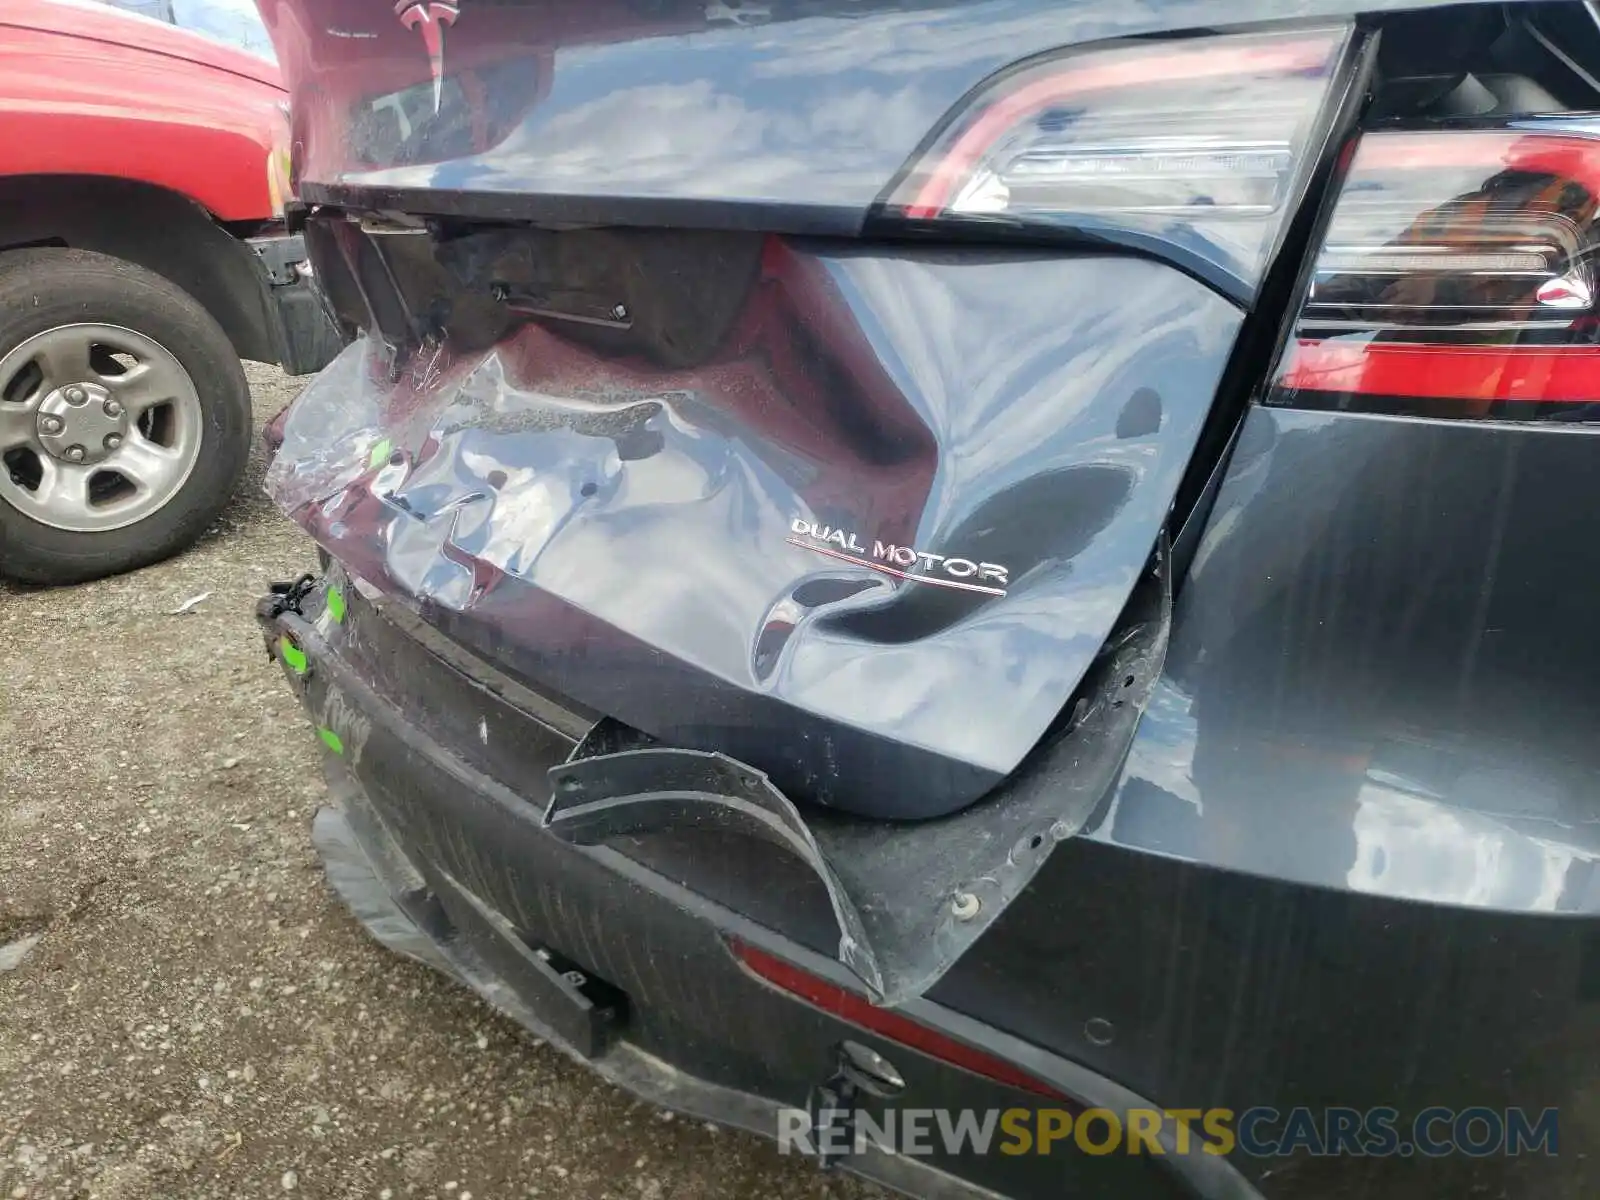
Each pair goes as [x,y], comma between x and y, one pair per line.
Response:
[143,253]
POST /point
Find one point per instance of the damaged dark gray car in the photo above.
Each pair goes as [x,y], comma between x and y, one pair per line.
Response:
[975,557]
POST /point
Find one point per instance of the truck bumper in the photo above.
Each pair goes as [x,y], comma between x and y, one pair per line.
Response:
[303,327]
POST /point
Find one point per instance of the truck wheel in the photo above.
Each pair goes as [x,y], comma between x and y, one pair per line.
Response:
[124,416]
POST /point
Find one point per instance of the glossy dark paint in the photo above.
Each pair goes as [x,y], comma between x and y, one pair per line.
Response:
[1205,987]
[1383,668]
[622,533]
[1351,860]
[1355,855]
[792,116]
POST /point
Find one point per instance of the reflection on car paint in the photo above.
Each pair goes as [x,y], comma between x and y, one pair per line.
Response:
[621,515]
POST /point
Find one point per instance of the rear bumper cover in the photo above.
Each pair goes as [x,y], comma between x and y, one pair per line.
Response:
[592,949]
[445,861]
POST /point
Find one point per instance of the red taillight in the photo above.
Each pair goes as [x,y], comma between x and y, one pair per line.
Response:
[1198,148]
[1457,277]
[1548,374]
[848,1006]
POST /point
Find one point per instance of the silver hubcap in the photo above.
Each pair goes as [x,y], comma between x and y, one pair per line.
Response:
[99,427]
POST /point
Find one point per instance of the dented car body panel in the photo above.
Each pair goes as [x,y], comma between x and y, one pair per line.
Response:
[719,554]
[761,620]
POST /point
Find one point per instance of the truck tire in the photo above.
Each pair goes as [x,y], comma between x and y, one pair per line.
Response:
[124,417]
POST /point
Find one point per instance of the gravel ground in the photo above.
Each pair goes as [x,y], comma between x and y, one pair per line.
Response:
[199,1017]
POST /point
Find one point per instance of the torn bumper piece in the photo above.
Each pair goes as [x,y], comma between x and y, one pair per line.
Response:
[909,899]
[304,330]
[565,908]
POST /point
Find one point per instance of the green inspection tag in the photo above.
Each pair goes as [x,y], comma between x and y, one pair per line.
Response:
[380,453]
[331,740]
[336,608]
[293,655]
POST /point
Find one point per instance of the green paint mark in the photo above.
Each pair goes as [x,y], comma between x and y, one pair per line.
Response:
[293,655]
[380,454]
[331,740]
[336,604]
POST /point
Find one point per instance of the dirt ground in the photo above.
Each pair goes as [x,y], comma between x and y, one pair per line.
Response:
[199,1017]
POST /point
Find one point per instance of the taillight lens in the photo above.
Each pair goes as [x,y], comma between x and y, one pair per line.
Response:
[848,1006]
[1457,277]
[1196,149]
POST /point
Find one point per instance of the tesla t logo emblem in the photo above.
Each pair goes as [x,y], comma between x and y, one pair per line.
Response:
[429,17]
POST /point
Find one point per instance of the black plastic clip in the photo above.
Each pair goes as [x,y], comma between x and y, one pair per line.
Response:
[282,598]
[288,597]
